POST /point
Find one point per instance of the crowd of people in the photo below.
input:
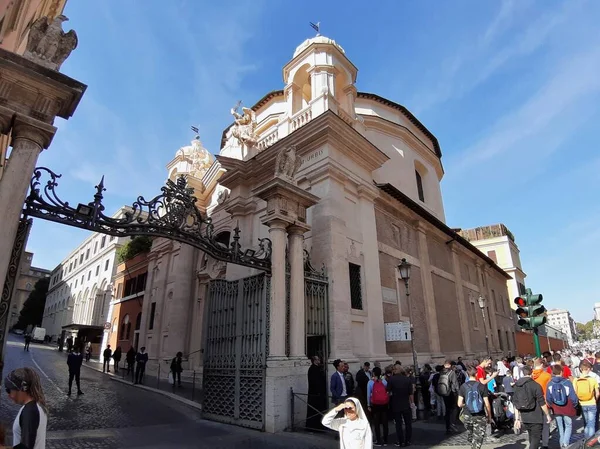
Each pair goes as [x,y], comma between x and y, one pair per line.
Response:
[520,394]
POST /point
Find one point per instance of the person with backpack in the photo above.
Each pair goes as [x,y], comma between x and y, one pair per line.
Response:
[531,410]
[586,388]
[562,400]
[476,411]
[440,407]
[447,389]
[377,401]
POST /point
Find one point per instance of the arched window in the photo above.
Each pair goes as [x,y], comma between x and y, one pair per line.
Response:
[125,328]
[419,180]
[138,321]
[223,237]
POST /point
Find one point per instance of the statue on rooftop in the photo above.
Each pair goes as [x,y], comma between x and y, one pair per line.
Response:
[47,43]
[244,129]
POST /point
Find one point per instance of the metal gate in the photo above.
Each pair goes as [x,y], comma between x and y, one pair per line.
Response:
[235,351]
[316,288]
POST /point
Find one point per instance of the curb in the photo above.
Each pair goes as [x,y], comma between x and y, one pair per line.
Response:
[164,393]
[153,390]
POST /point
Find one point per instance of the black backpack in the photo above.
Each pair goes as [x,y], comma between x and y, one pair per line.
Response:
[522,399]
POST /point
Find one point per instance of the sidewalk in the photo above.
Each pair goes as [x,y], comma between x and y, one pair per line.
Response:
[189,392]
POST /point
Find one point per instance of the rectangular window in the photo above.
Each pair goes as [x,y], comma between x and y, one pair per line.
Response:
[97,270]
[106,265]
[75,283]
[420,186]
[355,286]
[141,282]
[483,278]
[89,274]
[500,340]
[474,314]
[494,300]
[119,290]
[492,255]
[81,259]
[82,279]
[103,241]
[152,311]
[87,254]
[96,247]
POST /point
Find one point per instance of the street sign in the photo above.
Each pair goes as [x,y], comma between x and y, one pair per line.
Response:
[399,331]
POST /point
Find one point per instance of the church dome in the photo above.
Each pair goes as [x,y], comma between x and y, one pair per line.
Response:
[316,40]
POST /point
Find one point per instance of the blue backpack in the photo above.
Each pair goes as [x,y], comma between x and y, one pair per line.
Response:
[558,394]
[473,401]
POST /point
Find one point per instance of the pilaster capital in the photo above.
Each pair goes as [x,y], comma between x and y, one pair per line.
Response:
[369,193]
[33,130]
[420,226]
[6,118]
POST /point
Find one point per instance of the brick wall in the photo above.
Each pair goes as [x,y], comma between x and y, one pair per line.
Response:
[448,316]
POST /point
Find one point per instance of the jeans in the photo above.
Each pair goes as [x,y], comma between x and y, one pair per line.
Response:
[380,417]
[451,406]
[406,416]
[545,433]
[176,378]
[535,434]
[440,406]
[106,365]
[589,418]
[140,369]
[565,427]
[77,376]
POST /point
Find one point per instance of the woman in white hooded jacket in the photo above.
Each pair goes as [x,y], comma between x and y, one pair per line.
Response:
[354,428]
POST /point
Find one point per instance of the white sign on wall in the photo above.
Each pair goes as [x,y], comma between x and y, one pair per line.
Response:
[399,331]
[389,295]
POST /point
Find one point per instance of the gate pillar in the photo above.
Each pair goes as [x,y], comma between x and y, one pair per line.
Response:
[286,210]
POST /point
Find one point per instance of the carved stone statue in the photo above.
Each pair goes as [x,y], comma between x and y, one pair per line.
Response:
[287,164]
[222,196]
[244,129]
[47,43]
[200,157]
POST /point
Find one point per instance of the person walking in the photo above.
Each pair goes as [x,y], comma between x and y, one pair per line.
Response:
[447,389]
[74,362]
[141,359]
[530,408]
[27,342]
[317,394]
[177,369]
[377,401]
[24,388]
[401,388]
[130,360]
[70,343]
[476,412]
[88,351]
[586,388]
[562,400]
[107,355]
[542,377]
[117,358]
[337,383]
[354,429]
[363,376]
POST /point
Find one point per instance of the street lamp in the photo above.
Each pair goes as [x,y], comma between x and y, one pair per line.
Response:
[404,269]
[481,301]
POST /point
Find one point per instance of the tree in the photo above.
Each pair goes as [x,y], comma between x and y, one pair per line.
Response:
[585,331]
[33,308]
[137,245]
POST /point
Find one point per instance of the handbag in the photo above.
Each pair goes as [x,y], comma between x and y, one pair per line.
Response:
[171,379]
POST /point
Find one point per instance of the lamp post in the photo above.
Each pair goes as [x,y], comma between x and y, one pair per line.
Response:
[481,301]
[404,269]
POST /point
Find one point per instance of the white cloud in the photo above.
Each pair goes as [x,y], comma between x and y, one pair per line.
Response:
[575,80]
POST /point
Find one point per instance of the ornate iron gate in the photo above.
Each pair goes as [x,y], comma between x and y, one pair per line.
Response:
[316,288]
[235,351]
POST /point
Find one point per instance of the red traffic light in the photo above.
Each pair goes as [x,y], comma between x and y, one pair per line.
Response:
[520,301]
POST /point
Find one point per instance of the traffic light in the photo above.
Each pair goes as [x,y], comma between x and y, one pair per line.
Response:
[529,310]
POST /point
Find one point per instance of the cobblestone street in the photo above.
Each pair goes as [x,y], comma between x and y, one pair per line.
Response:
[113,415]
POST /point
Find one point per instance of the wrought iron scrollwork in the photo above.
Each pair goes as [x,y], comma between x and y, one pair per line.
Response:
[311,271]
[173,214]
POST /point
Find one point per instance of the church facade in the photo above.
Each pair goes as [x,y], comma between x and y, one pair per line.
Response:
[345,180]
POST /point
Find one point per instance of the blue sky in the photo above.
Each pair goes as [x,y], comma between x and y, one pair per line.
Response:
[510,88]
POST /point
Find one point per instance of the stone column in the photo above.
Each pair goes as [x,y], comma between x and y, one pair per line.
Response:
[29,138]
[277,234]
[297,300]
[428,293]
[460,297]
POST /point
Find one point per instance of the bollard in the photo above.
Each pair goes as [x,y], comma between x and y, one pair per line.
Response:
[292,408]
[193,384]
[158,377]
